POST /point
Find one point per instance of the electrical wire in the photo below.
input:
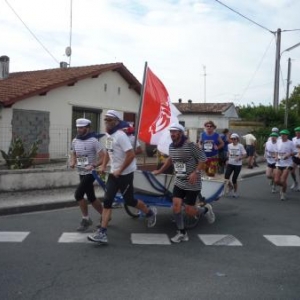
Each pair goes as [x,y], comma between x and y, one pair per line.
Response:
[31,32]
[255,72]
[273,32]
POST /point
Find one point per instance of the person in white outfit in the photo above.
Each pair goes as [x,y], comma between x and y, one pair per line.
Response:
[296,161]
[284,162]
[236,154]
[270,155]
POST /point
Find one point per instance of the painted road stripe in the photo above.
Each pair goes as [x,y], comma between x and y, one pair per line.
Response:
[150,239]
[73,237]
[13,236]
[219,240]
[284,240]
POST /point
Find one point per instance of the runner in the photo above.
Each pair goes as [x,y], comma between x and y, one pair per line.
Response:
[270,155]
[189,161]
[284,162]
[296,161]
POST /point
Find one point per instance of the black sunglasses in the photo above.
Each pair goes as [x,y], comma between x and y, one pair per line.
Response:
[108,120]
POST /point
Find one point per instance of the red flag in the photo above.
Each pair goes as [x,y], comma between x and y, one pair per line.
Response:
[157,111]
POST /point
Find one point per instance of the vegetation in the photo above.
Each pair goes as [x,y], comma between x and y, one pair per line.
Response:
[17,157]
[272,117]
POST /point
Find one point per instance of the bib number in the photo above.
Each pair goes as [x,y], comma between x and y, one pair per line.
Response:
[180,169]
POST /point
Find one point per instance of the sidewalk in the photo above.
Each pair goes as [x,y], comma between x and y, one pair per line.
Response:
[37,200]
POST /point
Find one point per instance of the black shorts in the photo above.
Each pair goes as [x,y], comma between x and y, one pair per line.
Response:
[284,168]
[296,160]
[272,166]
[250,149]
[189,197]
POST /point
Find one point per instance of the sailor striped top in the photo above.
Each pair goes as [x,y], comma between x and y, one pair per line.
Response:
[185,160]
[86,152]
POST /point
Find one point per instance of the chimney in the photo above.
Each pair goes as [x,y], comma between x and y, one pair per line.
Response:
[179,100]
[190,101]
[63,64]
[4,66]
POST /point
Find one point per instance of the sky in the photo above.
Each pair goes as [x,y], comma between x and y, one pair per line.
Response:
[200,49]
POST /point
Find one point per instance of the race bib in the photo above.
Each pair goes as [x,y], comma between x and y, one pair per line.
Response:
[109,144]
[281,155]
[180,169]
[82,161]
[208,146]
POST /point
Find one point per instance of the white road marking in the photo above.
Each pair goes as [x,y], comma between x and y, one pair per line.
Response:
[13,236]
[284,240]
[74,237]
[219,240]
[150,239]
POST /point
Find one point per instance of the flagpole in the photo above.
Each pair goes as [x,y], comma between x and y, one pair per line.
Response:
[141,105]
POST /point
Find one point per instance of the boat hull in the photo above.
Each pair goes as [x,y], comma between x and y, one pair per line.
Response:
[147,183]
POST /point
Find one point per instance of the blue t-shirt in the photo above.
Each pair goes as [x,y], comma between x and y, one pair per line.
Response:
[208,143]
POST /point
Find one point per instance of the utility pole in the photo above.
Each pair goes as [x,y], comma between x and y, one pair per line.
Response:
[287,94]
[277,69]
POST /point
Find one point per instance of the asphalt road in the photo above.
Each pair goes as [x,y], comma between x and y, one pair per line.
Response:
[252,251]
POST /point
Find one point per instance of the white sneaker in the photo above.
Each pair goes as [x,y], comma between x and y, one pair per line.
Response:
[234,195]
[283,196]
[294,186]
[273,189]
[180,237]
[210,216]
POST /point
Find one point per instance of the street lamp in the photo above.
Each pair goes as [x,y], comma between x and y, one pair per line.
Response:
[277,67]
[287,93]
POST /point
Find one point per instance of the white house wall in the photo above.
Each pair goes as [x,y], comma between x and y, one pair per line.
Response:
[88,93]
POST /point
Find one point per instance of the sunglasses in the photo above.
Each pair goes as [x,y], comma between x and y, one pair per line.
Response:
[108,120]
[234,138]
[209,126]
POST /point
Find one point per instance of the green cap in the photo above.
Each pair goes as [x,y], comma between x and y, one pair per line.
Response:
[274,134]
[284,131]
[297,129]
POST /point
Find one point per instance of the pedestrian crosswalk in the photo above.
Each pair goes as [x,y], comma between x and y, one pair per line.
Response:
[212,240]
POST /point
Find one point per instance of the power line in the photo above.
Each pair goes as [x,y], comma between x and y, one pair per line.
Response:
[273,32]
[248,85]
[31,32]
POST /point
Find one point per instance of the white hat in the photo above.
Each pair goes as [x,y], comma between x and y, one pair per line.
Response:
[82,122]
[275,129]
[176,126]
[114,114]
[234,135]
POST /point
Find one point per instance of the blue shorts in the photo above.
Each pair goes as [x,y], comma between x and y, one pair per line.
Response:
[250,149]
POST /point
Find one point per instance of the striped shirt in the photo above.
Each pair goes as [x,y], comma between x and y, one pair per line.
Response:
[86,152]
[185,160]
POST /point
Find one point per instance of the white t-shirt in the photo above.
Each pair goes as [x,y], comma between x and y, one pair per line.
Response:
[117,145]
[235,153]
[296,142]
[270,152]
[285,149]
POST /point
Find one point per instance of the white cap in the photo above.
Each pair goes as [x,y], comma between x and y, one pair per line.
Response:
[82,122]
[275,129]
[176,126]
[234,135]
[114,114]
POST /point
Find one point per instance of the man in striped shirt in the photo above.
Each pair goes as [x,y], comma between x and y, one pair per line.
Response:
[188,160]
[87,154]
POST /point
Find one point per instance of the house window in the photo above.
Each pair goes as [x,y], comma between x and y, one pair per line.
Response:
[91,114]
[119,90]
[105,87]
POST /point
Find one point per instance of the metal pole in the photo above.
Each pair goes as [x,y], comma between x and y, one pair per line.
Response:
[204,69]
[277,69]
[287,94]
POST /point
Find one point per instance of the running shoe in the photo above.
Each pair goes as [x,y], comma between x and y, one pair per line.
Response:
[273,189]
[235,195]
[209,215]
[98,237]
[84,225]
[294,186]
[283,196]
[179,237]
[151,220]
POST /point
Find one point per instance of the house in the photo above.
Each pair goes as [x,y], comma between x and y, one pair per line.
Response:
[194,115]
[43,105]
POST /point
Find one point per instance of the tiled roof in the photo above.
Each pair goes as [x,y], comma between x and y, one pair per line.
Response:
[21,85]
[199,108]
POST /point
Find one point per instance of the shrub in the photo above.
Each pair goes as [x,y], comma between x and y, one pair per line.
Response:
[17,157]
